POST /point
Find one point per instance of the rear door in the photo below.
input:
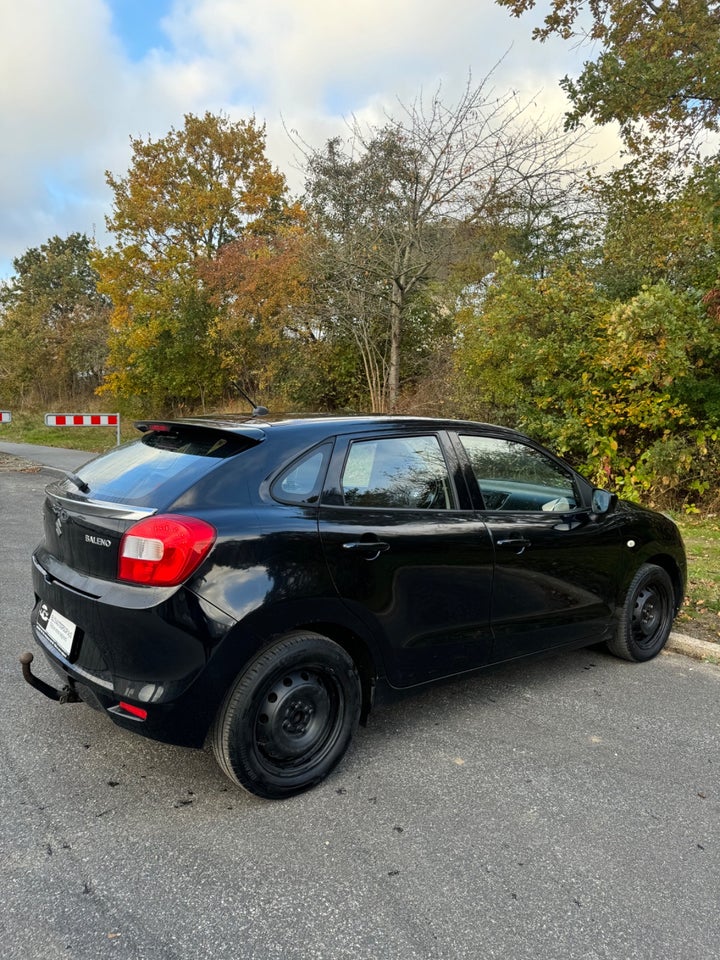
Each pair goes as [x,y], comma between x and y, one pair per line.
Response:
[407,553]
[556,570]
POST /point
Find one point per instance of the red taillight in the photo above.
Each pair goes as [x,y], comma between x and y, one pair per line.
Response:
[163,551]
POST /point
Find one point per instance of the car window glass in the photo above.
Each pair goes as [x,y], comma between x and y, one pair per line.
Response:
[136,472]
[514,476]
[301,482]
[405,472]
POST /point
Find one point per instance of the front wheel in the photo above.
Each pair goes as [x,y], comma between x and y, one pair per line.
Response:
[647,616]
[289,717]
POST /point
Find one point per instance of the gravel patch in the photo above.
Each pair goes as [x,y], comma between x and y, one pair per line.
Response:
[12,464]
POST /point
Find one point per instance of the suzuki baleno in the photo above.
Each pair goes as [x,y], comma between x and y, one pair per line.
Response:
[262,583]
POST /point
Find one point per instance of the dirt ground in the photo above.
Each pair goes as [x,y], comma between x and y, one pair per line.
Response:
[10,463]
[701,625]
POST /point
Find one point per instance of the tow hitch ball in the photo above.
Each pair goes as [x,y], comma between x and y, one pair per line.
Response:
[66,695]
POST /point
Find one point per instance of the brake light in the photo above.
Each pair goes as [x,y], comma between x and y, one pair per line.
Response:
[163,551]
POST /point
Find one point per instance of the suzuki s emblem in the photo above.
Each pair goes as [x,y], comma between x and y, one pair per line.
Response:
[60,517]
[43,613]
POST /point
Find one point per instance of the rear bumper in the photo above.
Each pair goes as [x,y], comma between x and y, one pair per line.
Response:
[148,649]
[183,722]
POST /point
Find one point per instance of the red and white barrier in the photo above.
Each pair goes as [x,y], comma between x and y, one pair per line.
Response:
[5,416]
[84,420]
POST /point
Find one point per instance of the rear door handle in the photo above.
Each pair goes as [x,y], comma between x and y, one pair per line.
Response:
[369,549]
[518,544]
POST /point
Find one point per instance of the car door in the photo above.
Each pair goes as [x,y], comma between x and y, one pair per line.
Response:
[407,553]
[556,568]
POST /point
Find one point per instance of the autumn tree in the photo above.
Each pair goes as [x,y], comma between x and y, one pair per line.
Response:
[185,199]
[524,346]
[259,286]
[393,209]
[659,228]
[656,70]
[648,426]
[627,390]
[53,324]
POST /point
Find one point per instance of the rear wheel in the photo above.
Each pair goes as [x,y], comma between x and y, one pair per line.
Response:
[289,717]
[647,616]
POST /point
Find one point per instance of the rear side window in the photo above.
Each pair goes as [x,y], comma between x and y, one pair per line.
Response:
[405,472]
[135,472]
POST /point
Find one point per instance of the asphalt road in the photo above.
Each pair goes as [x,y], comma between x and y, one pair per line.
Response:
[568,808]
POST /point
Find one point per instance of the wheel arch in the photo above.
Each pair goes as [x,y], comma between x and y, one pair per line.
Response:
[673,570]
[360,652]
[331,619]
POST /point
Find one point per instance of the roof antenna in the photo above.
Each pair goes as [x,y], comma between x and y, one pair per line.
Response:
[256,410]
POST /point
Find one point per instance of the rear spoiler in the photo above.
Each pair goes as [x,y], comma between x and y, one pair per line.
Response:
[241,428]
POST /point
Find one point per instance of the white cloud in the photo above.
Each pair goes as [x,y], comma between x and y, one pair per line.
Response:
[70,97]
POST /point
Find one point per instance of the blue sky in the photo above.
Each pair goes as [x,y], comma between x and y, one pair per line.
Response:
[80,77]
[138,24]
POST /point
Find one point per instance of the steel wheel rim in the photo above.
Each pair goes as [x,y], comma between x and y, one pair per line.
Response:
[298,719]
[651,614]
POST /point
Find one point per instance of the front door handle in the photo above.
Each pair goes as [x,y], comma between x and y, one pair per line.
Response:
[517,544]
[369,549]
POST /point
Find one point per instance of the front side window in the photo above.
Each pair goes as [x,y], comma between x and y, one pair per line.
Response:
[515,476]
[407,472]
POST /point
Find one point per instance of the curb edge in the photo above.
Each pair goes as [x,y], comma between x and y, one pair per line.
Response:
[697,649]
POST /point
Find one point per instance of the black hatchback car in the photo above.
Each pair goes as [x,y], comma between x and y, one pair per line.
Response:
[263,583]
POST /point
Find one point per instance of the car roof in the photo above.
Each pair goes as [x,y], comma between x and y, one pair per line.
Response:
[320,425]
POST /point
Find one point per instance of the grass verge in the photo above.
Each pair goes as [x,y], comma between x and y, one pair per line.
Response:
[700,615]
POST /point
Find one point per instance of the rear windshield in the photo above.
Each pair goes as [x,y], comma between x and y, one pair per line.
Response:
[170,461]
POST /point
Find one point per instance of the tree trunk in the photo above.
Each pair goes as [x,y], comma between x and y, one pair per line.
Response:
[396,307]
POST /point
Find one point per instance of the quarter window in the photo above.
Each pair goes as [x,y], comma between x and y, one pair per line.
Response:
[301,481]
[514,476]
[407,472]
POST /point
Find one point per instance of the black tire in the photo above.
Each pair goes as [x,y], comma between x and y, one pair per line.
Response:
[645,622]
[289,717]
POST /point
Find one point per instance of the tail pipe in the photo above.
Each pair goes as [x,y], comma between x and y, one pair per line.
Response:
[65,695]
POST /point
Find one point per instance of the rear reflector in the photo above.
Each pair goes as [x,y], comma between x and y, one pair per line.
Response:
[164,551]
[135,711]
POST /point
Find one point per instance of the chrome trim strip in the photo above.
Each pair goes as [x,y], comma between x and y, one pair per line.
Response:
[103,508]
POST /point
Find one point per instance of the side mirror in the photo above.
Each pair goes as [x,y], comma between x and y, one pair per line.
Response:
[603,501]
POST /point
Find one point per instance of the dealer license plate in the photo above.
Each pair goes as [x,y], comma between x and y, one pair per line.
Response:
[61,631]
